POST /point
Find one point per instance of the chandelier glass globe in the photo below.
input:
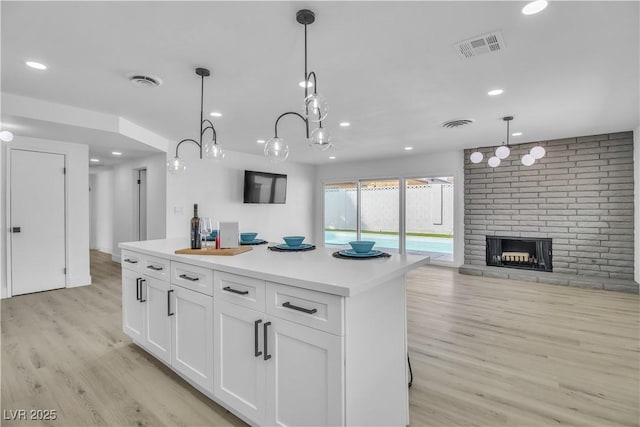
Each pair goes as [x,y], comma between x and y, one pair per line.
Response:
[6,136]
[528,160]
[494,162]
[276,149]
[315,107]
[503,152]
[212,150]
[537,152]
[476,157]
[320,139]
[176,165]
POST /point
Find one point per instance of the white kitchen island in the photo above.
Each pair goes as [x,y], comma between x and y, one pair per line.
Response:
[278,338]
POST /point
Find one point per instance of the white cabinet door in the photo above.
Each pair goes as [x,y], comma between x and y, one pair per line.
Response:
[239,367]
[304,375]
[131,307]
[157,323]
[192,332]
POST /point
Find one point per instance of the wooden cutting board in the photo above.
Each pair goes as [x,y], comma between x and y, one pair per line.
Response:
[212,251]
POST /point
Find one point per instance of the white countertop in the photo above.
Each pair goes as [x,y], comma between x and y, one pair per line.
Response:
[315,269]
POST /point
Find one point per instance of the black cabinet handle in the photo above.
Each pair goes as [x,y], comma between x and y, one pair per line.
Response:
[131,261]
[169,313]
[295,307]
[138,297]
[193,279]
[235,291]
[141,282]
[255,337]
[15,229]
[266,356]
[153,267]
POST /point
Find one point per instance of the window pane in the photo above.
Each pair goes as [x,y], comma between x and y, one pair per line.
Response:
[429,216]
[340,212]
[379,216]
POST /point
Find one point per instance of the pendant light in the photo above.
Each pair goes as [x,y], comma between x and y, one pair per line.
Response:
[210,149]
[537,152]
[503,151]
[314,108]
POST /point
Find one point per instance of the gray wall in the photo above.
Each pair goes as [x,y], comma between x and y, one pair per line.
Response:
[580,194]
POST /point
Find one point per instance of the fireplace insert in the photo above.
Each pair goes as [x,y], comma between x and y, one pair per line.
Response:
[528,253]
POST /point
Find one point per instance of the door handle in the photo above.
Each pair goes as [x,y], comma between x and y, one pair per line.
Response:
[138,288]
[255,337]
[141,281]
[266,351]
[169,313]
[15,229]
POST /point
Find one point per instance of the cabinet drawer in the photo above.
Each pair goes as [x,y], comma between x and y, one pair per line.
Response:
[198,279]
[155,267]
[131,260]
[306,307]
[241,290]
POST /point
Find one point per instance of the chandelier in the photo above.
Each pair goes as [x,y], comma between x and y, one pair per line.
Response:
[209,148]
[314,109]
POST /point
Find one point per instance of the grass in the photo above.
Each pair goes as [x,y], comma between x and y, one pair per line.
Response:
[395,233]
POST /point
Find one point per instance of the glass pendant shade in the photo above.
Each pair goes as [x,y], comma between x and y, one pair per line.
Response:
[476,157]
[528,160]
[537,152]
[212,150]
[315,107]
[176,165]
[503,152]
[276,149]
[494,161]
[320,139]
[6,136]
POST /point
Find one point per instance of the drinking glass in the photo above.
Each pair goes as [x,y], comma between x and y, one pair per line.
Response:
[205,230]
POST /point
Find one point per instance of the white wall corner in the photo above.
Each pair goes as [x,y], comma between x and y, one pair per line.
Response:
[138,133]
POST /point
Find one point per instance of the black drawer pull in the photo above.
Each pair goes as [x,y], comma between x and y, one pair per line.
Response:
[255,338]
[153,267]
[295,307]
[266,351]
[235,291]
[185,277]
[141,282]
[138,290]
[169,313]
[131,261]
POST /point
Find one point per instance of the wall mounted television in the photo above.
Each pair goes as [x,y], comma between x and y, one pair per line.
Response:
[264,187]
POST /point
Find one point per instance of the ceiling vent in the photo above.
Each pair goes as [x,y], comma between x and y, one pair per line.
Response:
[487,43]
[144,81]
[458,123]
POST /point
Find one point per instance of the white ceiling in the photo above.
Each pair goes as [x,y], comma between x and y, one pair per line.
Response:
[389,68]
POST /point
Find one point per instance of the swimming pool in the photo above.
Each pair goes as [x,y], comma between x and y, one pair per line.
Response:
[414,243]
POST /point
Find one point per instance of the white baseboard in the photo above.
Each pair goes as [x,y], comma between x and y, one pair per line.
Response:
[116,258]
[74,282]
[105,250]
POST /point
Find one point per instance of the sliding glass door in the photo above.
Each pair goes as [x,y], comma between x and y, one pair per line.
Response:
[340,213]
[379,212]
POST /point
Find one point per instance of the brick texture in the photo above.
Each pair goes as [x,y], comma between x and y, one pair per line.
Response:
[580,195]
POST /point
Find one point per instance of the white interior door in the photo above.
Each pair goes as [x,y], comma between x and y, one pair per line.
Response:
[37,200]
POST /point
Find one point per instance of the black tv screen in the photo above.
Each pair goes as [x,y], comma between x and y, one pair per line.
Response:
[264,187]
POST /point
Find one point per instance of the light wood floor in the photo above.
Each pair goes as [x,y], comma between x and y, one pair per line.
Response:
[484,352]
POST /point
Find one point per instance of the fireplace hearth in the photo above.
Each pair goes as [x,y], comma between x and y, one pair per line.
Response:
[519,252]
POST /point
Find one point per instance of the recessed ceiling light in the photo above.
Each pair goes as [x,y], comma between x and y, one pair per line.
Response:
[408,148]
[516,134]
[94,160]
[116,153]
[215,114]
[332,157]
[345,124]
[309,83]
[495,92]
[6,136]
[36,65]
[260,141]
[534,7]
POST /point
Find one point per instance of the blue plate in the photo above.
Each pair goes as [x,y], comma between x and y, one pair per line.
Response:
[352,253]
[253,242]
[293,248]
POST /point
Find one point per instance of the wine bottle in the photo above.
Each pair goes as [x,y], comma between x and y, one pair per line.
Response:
[196,239]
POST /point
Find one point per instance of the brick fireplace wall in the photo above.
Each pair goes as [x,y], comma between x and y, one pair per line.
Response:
[580,195]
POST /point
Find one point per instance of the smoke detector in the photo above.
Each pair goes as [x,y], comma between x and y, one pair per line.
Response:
[457,123]
[144,81]
[480,45]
